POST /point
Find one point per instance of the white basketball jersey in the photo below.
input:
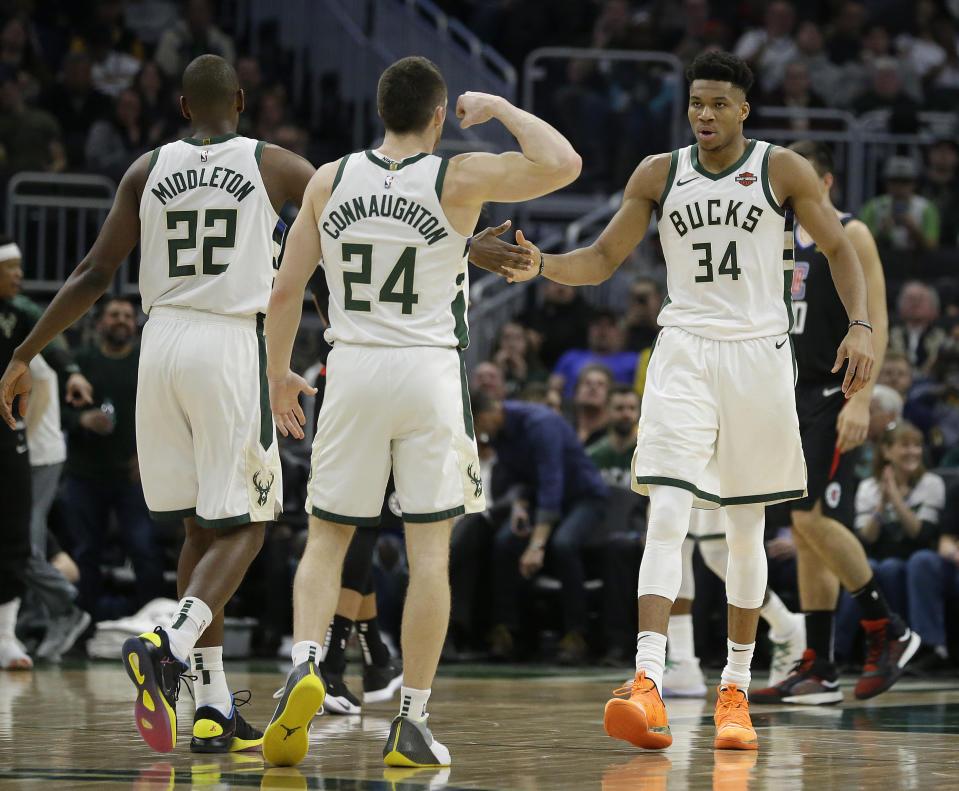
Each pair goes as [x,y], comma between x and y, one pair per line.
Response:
[723,236]
[206,228]
[395,266]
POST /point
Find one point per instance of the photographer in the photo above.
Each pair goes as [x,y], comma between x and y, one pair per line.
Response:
[899,218]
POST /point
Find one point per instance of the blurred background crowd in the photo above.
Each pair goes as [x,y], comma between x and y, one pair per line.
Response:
[86,87]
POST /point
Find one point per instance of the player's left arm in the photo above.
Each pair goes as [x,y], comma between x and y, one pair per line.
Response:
[285,175]
[116,240]
[794,180]
[853,423]
[303,253]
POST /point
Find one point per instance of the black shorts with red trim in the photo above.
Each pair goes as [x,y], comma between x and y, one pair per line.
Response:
[831,476]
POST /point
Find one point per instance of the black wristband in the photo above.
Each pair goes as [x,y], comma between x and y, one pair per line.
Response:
[858,323]
[542,262]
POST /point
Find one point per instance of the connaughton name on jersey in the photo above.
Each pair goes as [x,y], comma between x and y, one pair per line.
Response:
[714,215]
[226,179]
[395,206]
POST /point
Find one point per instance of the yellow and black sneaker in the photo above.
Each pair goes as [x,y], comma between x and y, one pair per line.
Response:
[411,744]
[215,733]
[286,739]
[156,672]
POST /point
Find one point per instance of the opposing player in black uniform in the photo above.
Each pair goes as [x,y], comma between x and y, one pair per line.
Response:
[832,430]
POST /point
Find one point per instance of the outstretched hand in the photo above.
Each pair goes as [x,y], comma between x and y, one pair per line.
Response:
[285,403]
[489,252]
[16,381]
[516,275]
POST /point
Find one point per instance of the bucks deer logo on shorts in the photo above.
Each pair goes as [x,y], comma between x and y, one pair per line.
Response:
[262,491]
[476,480]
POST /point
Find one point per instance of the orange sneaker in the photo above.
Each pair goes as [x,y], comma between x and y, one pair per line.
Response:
[734,729]
[638,715]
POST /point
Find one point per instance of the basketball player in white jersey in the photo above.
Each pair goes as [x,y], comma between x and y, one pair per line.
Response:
[203,210]
[392,227]
[719,423]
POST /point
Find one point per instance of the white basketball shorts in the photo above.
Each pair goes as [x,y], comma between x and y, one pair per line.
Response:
[394,407]
[719,420]
[205,438]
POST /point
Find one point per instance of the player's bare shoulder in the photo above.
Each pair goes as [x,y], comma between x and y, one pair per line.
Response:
[648,181]
[285,174]
[791,174]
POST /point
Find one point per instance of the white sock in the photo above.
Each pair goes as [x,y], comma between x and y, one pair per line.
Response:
[306,650]
[739,656]
[326,642]
[8,617]
[192,618]
[651,656]
[210,686]
[413,703]
[679,638]
[778,616]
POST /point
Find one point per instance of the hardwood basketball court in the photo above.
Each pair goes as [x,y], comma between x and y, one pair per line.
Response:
[509,729]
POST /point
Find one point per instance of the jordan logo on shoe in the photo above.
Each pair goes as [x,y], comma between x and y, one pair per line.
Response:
[289,731]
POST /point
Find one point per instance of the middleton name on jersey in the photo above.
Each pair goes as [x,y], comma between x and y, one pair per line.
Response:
[384,206]
[226,179]
[714,216]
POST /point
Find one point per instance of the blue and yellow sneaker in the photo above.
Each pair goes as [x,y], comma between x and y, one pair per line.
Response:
[286,739]
[156,672]
[215,733]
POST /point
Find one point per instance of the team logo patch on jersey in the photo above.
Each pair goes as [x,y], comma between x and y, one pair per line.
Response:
[747,179]
[800,273]
[205,155]
[388,181]
[833,494]
[262,487]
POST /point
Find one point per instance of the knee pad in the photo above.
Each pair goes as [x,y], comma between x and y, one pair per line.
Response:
[661,571]
[747,569]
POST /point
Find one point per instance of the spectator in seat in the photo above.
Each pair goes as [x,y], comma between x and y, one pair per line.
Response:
[810,51]
[645,300]
[488,378]
[101,474]
[76,105]
[797,93]
[604,346]
[562,515]
[940,184]
[885,408]
[900,218]
[886,90]
[916,332]
[30,139]
[897,519]
[113,144]
[768,49]
[590,417]
[934,405]
[896,372]
[191,37]
[560,323]
[514,355]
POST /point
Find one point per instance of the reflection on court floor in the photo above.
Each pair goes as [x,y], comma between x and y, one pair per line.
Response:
[73,728]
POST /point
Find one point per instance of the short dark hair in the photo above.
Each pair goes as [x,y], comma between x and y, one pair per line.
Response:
[621,388]
[818,154]
[481,402]
[209,82]
[106,299]
[408,92]
[722,67]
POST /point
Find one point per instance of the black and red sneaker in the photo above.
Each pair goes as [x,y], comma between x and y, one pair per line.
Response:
[890,644]
[813,681]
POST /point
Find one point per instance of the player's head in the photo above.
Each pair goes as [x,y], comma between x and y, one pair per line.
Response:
[718,85]
[900,446]
[411,98]
[211,91]
[623,408]
[820,157]
[11,268]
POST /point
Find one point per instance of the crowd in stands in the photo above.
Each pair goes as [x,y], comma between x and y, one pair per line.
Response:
[556,403]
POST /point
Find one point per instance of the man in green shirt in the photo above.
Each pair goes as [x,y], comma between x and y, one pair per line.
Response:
[101,474]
